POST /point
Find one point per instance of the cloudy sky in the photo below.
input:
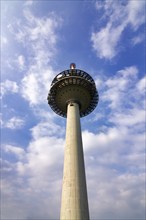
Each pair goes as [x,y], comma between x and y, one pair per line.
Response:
[39,39]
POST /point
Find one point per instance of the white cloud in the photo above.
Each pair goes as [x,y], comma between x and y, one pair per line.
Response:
[105,41]
[39,36]
[46,128]
[14,123]
[125,191]
[17,151]
[125,110]
[118,152]
[21,62]
[36,32]
[9,87]
[119,87]
[138,39]
[44,151]
[15,62]
[118,17]
[36,180]
[28,2]
[98,82]
[129,72]
[4,41]
[35,85]
[141,85]
[132,118]
[136,13]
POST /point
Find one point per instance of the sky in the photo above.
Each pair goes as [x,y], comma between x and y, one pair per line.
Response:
[39,39]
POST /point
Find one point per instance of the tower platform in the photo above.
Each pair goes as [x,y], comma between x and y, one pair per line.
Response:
[73,85]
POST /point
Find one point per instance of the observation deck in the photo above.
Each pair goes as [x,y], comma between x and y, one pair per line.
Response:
[73,85]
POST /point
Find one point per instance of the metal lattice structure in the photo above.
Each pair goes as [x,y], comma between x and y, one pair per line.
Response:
[73,85]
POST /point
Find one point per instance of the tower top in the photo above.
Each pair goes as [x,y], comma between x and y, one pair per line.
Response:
[72,66]
[73,85]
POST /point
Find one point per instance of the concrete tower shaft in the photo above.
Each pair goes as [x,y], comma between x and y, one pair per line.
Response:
[74,205]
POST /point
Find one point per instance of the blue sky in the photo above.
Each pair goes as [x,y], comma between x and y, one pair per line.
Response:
[39,39]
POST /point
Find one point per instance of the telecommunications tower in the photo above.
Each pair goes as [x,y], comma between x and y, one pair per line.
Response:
[73,95]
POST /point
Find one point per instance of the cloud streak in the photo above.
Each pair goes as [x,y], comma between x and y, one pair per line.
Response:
[42,38]
[39,38]
[13,123]
[118,16]
[9,86]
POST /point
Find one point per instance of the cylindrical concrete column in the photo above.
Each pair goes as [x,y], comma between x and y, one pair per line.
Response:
[74,205]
